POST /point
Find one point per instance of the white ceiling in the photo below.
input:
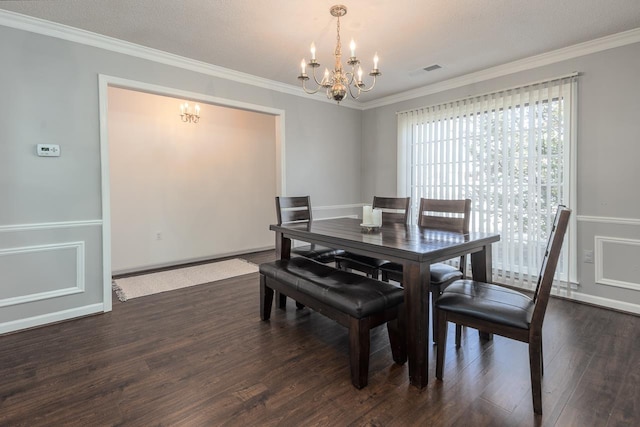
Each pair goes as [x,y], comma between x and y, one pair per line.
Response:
[269,38]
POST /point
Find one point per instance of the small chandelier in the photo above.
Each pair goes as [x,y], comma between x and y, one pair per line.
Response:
[187,116]
[338,82]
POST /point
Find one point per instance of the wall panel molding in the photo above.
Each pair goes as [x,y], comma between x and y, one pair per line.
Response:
[50,225]
[74,288]
[609,220]
[600,267]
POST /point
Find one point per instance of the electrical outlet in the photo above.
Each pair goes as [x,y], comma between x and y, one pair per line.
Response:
[159,235]
[587,256]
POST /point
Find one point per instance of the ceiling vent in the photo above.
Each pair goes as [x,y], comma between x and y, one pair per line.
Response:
[432,67]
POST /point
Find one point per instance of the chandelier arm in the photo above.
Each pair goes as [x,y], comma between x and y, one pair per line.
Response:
[310,91]
[372,86]
[351,92]
[315,79]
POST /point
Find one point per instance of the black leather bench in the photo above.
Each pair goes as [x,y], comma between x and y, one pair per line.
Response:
[355,301]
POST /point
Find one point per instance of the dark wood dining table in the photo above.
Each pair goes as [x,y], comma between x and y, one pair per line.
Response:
[414,247]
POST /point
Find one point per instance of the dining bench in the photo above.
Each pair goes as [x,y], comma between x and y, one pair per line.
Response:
[360,303]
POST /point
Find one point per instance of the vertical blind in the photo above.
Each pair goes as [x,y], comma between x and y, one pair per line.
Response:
[512,153]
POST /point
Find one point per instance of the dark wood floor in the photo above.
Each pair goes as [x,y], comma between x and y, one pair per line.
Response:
[201,357]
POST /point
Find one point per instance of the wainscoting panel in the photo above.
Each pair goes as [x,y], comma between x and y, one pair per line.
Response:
[50,272]
[39,272]
[616,262]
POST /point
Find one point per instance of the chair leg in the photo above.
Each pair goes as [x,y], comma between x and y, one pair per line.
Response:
[266,299]
[398,338]
[458,335]
[359,346]
[442,342]
[536,374]
[434,317]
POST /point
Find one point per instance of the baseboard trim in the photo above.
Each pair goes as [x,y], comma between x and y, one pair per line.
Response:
[185,262]
[622,306]
[49,318]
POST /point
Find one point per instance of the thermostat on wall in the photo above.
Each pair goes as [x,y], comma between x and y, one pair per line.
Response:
[48,150]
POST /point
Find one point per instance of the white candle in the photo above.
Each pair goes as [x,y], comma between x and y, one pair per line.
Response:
[377,217]
[366,215]
[375,61]
[303,66]
[359,74]
[197,110]
[352,45]
[313,52]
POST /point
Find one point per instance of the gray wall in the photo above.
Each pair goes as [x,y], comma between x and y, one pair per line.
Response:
[49,94]
[608,152]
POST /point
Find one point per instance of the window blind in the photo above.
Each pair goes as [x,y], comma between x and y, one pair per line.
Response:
[511,152]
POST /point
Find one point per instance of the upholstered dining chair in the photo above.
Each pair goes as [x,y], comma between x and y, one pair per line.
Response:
[395,210]
[298,209]
[446,215]
[503,311]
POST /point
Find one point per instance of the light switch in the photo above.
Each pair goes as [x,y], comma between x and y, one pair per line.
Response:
[48,150]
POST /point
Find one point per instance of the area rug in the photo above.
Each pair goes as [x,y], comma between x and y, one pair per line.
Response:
[147,284]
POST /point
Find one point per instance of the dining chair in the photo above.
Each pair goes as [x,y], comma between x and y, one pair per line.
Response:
[500,310]
[438,214]
[395,210]
[298,209]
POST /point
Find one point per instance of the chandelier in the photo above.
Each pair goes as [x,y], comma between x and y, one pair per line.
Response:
[338,81]
[187,116]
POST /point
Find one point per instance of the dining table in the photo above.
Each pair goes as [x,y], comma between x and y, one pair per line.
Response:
[415,248]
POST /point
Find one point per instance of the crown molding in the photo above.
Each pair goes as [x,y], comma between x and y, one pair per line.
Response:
[76,35]
[64,32]
[581,49]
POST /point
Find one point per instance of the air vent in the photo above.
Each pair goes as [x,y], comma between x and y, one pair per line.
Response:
[432,67]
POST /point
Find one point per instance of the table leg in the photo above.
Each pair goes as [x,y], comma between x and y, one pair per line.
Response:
[416,279]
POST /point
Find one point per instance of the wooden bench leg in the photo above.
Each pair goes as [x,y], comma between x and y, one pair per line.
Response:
[281,300]
[266,299]
[359,347]
[398,337]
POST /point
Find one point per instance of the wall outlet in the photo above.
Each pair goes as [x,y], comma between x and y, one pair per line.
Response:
[587,256]
[159,235]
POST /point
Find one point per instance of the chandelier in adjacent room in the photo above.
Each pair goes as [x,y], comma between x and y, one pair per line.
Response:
[339,82]
[187,115]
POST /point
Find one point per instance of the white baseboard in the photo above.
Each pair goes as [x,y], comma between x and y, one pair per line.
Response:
[605,302]
[176,263]
[45,319]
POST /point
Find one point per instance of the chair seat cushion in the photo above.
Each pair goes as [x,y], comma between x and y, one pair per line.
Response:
[363,260]
[488,302]
[440,273]
[316,252]
[357,295]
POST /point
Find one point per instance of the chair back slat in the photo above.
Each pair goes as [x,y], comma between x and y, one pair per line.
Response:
[293,209]
[395,210]
[548,269]
[450,215]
